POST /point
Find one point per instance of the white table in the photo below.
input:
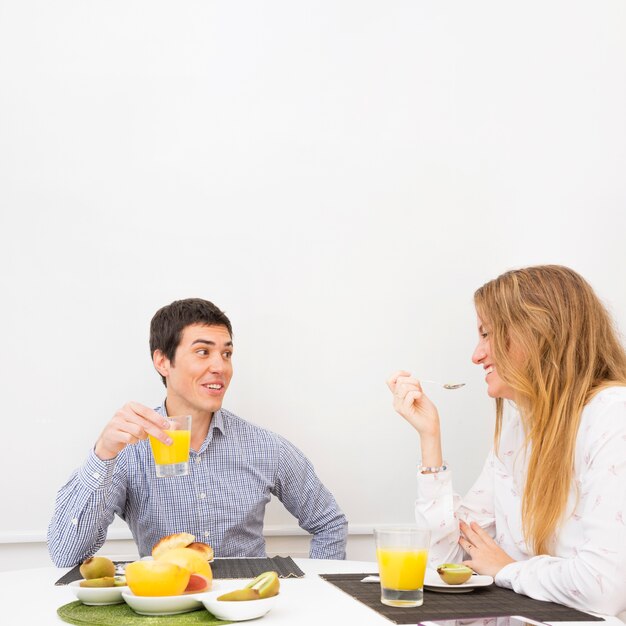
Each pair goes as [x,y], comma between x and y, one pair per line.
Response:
[305,602]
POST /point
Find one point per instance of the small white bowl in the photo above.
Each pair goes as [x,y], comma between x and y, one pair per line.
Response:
[162,605]
[97,596]
[236,611]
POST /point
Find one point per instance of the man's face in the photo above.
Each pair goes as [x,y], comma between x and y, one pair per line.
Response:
[198,377]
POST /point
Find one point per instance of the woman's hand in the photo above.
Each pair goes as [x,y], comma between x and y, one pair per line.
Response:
[486,556]
[412,403]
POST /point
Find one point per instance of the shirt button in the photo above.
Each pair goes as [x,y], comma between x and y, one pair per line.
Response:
[206,533]
[203,495]
[96,475]
[75,521]
[197,459]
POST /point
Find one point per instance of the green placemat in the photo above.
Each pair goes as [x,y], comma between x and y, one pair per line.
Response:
[123,615]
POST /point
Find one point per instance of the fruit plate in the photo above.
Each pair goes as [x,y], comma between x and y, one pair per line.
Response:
[236,611]
[433,582]
[162,605]
[97,596]
[151,558]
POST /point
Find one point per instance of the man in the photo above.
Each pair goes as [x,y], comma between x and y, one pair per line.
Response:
[234,466]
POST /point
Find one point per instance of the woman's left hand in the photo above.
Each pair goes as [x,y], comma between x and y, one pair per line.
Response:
[486,556]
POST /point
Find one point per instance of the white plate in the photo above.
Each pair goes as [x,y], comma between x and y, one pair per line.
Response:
[236,611]
[162,605]
[433,582]
[97,596]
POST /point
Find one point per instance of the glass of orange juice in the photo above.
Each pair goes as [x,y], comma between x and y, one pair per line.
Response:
[173,460]
[402,553]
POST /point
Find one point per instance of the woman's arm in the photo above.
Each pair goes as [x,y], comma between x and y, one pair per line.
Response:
[438,507]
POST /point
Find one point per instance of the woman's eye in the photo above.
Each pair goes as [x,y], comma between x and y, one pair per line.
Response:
[227,355]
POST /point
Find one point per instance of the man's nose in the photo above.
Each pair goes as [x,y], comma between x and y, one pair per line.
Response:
[217,364]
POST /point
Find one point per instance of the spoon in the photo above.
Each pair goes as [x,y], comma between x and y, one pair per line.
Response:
[444,385]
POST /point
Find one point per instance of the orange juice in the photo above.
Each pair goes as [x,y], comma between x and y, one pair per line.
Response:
[178,452]
[402,569]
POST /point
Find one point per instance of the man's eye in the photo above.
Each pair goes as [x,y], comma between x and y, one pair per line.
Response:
[202,352]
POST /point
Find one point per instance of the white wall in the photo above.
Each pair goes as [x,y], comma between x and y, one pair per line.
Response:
[339,176]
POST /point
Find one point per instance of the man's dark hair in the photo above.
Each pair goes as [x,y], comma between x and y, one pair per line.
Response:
[168,323]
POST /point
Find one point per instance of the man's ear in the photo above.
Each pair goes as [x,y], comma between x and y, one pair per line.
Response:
[161,363]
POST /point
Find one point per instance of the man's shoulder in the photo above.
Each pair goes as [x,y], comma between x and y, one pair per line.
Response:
[239,425]
[244,430]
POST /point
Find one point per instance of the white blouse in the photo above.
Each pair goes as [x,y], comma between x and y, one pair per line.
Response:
[588,569]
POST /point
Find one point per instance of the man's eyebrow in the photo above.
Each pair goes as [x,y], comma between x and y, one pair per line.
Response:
[228,344]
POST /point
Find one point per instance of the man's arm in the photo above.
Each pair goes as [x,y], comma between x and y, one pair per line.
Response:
[303,494]
[84,509]
[87,503]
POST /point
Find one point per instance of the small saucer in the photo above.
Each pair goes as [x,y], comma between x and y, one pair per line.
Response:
[433,582]
[162,605]
[97,596]
[237,611]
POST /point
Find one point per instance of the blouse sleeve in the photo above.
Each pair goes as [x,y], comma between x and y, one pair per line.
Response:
[594,577]
[439,508]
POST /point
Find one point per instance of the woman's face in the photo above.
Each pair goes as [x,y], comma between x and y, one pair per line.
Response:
[496,387]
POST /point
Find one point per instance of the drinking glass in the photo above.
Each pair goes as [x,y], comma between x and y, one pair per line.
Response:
[402,553]
[173,460]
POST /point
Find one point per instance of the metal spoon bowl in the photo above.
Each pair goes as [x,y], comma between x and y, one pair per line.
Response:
[448,386]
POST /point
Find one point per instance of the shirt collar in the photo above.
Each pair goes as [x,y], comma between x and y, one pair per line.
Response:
[217,422]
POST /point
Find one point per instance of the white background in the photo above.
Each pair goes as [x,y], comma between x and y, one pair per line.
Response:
[338,176]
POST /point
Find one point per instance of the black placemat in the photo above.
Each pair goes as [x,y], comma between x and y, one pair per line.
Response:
[489,601]
[225,568]
[249,568]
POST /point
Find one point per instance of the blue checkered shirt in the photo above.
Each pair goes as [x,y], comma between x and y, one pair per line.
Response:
[221,501]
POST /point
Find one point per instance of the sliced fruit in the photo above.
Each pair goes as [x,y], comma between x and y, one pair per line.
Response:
[203,548]
[240,595]
[191,560]
[156,578]
[97,567]
[106,581]
[267,584]
[120,581]
[198,583]
[454,574]
[177,540]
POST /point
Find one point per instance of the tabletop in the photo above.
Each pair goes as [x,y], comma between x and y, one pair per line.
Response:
[307,601]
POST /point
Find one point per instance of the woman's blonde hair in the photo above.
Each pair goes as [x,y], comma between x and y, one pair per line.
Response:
[554,344]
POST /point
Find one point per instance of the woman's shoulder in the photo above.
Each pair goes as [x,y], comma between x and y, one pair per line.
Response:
[605,413]
[606,398]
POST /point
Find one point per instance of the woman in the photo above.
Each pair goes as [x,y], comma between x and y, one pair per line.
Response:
[547,515]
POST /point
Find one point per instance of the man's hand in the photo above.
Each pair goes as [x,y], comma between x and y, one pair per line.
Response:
[486,556]
[131,423]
